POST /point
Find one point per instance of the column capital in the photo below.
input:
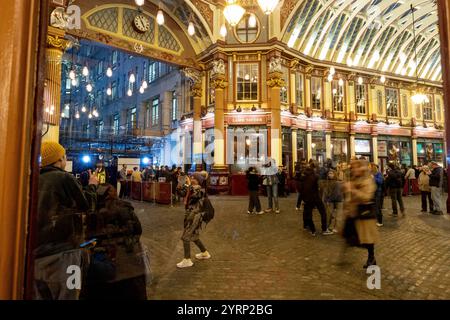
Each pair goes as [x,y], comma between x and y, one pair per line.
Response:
[193,75]
[219,82]
[55,39]
[275,79]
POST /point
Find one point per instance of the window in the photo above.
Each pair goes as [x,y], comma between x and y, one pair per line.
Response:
[247,82]
[284,91]
[98,99]
[100,128]
[316,93]
[115,58]
[100,69]
[361,98]
[155,112]
[427,108]
[337,91]
[114,91]
[174,106]
[405,105]
[68,83]
[245,32]
[116,124]
[380,102]
[391,102]
[299,91]
[133,122]
[153,71]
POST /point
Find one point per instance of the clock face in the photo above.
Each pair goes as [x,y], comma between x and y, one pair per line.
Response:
[141,23]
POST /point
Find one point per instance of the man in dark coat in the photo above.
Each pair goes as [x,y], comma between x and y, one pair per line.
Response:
[394,182]
[436,178]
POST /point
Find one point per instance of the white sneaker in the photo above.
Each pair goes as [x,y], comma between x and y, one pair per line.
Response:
[335,231]
[327,232]
[268,210]
[277,211]
[296,208]
[249,212]
[203,255]
[185,263]
[261,212]
[379,224]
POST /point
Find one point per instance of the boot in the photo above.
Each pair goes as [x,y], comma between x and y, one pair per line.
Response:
[370,262]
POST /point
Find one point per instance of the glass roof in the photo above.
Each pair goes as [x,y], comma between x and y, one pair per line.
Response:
[372,34]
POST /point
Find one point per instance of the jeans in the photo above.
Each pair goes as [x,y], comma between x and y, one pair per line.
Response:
[254,201]
[425,195]
[436,194]
[309,206]
[272,195]
[123,189]
[396,196]
[299,200]
[332,209]
[379,205]
[187,248]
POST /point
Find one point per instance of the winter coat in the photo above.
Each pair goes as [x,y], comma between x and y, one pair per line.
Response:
[436,177]
[424,182]
[193,216]
[253,181]
[332,191]
[310,186]
[394,179]
[362,192]
[61,203]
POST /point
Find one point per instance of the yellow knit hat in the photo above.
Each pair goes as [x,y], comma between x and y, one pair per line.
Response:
[51,152]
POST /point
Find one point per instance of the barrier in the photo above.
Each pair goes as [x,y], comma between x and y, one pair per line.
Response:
[415,187]
[156,192]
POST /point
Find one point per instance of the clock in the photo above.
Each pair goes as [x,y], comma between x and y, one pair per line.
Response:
[141,23]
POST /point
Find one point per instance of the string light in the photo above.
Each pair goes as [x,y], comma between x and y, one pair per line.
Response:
[108,91]
[144,84]
[139,3]
[85,71]
[72,74]
[160,17]
[132,78]
[83,109]
[89,87]
[129,92]
[191,29]
[109,72]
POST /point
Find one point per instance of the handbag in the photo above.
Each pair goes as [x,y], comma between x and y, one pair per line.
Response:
[366,211]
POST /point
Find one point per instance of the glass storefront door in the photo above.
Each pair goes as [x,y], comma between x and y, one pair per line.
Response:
[430,150]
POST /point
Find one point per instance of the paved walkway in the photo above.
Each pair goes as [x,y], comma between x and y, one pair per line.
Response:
[271,257]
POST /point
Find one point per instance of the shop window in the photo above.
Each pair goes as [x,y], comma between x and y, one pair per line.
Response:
[361,98]
[299,89]
[318,146]
[438,109]
[316,93]
[338,95]
[427,108]
[339,149]
[155,112]
[392,102]
[247,81]
[405,105]
[301,145]
[379,102]
[284,90]
[399,152]
[247,31]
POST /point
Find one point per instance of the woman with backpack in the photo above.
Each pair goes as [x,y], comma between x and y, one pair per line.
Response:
[193,219]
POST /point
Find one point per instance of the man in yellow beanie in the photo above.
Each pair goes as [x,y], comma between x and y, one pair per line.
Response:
[61,204]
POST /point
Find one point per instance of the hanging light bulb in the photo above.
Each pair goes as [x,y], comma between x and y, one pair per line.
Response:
[360,80]
[83,109]
[223,31]
[330,78]
[139,3]
[89,87]
[267,6]
[144,84]
[108,91]
[332,71]
[109,72]
[72,75]
[160,17]
[141,90]
[382,79]
[247,77]
[420,98]
[132,78]
[233,12]
[77,115]
[334,91]
[191,29]
[90,116]
[74,82]
[252,21]
[62,115]
[341,82]
[129,92]
[85,71]
[67,107]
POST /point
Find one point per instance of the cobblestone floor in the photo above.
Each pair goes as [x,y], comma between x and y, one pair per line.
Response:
[271,257]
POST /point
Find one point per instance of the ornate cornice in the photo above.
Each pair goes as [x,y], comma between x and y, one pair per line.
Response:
[194,75]
[57,42]
[219,83]
[196,91]
[275,81]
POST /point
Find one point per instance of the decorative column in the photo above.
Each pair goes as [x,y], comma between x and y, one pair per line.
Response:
[56,45]
[308,94]
[308,145]
[350,100]
[328,146]
[294,147]
[414,150]
[352,145]
[375,148]
[275,82]
[195,78]
[328,99]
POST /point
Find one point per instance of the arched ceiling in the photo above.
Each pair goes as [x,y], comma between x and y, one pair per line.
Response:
[372,34]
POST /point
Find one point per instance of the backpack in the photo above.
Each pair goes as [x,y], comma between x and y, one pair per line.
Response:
[208,210]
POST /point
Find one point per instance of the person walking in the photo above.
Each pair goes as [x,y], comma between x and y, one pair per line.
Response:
[410,176]
[379,193]
[394,183]
[360,205]
[312,200]
[253,189]
[425,189]
[62,204]
[271,183]
[333,199]
[193,220]
[123,182]
[436,178]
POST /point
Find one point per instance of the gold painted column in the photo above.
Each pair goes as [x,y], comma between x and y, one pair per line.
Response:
[328,146]
[275,82]
[196,92]
[414,150]
[352,145]
[309,145]
[219,83]
[56,45]
[375,149]
[294,147]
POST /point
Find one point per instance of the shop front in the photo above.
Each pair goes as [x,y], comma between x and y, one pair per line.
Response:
[286,140]
[395,149]
[363,147]
[318,147]
[339,147]
[301,145]
[430,150]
